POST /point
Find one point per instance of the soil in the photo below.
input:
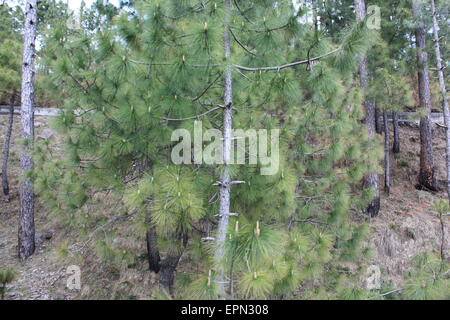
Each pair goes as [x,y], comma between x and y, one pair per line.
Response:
[407,225]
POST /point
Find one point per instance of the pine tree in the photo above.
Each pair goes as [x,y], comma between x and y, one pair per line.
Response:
[427,177]
[371,180]
[440,70]
[26,219]
[127,84]
[9,76]
[391,92]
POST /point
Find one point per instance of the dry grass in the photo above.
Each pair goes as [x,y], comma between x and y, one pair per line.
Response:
[406,225]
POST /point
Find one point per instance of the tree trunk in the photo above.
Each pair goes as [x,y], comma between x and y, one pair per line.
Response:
[152,250]
[427,178]
[387,156]
[225,179]
[371,179]
[378,126]
[396,145]
[26,219]
[170,263]
[6,146]
[437,49]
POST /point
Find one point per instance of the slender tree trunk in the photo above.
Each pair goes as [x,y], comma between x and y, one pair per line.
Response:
[378,127]
[396,145]
[437,49]
[6,146]
[387,156]
[315,16]
[152,250]
[170,263]
[26,219]
[427,178]
[371,179]
[225,179]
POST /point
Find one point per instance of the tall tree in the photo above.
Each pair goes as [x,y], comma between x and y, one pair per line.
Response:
[440,70]
[387,154]
[10,65]
[6,145]
[26,218]
[396,143]
[371,179]
[427,177]
[225,179]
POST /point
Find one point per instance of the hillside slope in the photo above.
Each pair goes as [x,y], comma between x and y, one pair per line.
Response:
[407,225]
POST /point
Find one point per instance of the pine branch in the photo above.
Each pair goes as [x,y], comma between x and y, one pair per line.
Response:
[242,13]
[207,88]
[151,63]
[193,117]
[240,43]
[292,64]
[172,63]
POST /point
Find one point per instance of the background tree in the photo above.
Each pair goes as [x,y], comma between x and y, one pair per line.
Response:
[444,98]
[391,93]
[427,177]
[26,219]
[10,36]
[371,180]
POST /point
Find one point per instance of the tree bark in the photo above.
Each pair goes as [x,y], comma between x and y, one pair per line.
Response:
[427,178]
[170,263]
[387,156]
[225,179]
[152,250]
[6,146]
[371,179]
[437,50]
[378,127]
[396,144]
[26,220]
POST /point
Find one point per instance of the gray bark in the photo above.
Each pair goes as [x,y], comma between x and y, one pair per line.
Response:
[152,250]
[387,156]
[437,50]
[427,178]
[378,126]
[170,263]
[6,146]
[371,179]
[225,179]
[396,144]
[26,219]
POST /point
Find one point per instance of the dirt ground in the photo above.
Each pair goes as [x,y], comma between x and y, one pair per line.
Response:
[407,225]
[38,276]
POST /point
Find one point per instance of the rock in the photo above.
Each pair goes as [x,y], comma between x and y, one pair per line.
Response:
[46,134]
[46,235]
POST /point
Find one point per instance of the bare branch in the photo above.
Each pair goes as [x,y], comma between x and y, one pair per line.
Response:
[292,64]
[193,117]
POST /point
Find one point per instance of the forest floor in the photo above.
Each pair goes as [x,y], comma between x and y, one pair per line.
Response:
[407,225]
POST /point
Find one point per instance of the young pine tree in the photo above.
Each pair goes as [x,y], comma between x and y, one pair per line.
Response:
[128,84]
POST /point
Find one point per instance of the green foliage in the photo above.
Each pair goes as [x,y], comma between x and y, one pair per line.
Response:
[427,279]
[126,84]
[10,46]
[6,277]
